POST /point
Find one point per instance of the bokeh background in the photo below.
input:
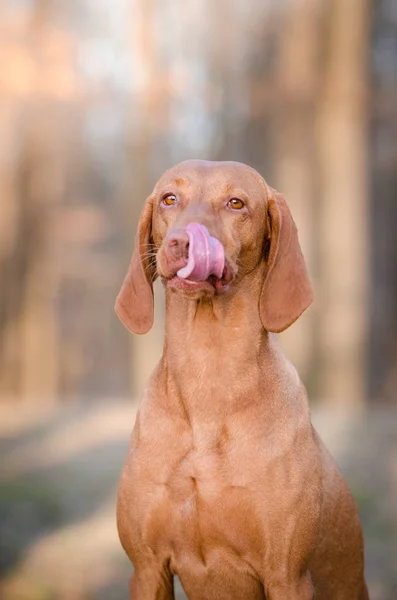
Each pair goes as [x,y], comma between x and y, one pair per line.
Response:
[97,99]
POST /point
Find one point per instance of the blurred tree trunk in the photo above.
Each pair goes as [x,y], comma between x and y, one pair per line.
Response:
[343,145]
[382,349]
[28,281]
[39,189]
[93,350]
[14,253]
[297,83]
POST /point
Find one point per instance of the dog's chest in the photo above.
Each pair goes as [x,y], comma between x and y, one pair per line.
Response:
[204,502]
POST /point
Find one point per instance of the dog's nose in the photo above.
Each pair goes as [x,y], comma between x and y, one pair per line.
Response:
[178,244]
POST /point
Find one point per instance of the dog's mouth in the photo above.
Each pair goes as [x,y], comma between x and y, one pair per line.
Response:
[213,285]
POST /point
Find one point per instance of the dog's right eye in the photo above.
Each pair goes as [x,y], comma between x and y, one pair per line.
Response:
[169,200]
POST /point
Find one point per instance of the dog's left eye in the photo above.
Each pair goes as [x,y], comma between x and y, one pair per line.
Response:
[169,199]
[236,204]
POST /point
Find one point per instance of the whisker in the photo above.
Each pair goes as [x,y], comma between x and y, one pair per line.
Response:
[148,254]
[155,274]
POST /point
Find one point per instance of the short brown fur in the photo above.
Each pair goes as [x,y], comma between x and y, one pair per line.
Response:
[226,483]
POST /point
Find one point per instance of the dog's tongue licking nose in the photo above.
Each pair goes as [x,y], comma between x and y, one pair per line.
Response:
[206,256]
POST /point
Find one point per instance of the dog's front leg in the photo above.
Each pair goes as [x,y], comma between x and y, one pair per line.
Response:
[152,583]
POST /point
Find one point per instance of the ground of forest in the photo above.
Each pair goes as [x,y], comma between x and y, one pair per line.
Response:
[58,479]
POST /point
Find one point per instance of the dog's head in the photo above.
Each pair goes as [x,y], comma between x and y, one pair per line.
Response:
[205,226]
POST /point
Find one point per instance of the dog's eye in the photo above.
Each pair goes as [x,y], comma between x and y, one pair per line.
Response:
[169,200]
[236,204]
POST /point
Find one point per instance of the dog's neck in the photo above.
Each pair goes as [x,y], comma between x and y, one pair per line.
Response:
[220,345]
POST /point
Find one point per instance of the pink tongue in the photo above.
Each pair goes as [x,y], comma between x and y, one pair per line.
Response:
[206,256]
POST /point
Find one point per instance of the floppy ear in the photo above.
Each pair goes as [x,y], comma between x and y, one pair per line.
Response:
[286,290]
[135,304]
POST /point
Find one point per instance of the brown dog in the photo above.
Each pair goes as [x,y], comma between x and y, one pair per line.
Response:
[226,483]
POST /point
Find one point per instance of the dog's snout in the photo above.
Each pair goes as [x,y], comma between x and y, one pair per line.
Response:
[178,244]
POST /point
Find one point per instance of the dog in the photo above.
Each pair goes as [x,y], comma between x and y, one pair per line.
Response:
[226,483]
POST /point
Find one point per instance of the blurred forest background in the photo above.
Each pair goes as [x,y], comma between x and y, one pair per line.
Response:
[97,99]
